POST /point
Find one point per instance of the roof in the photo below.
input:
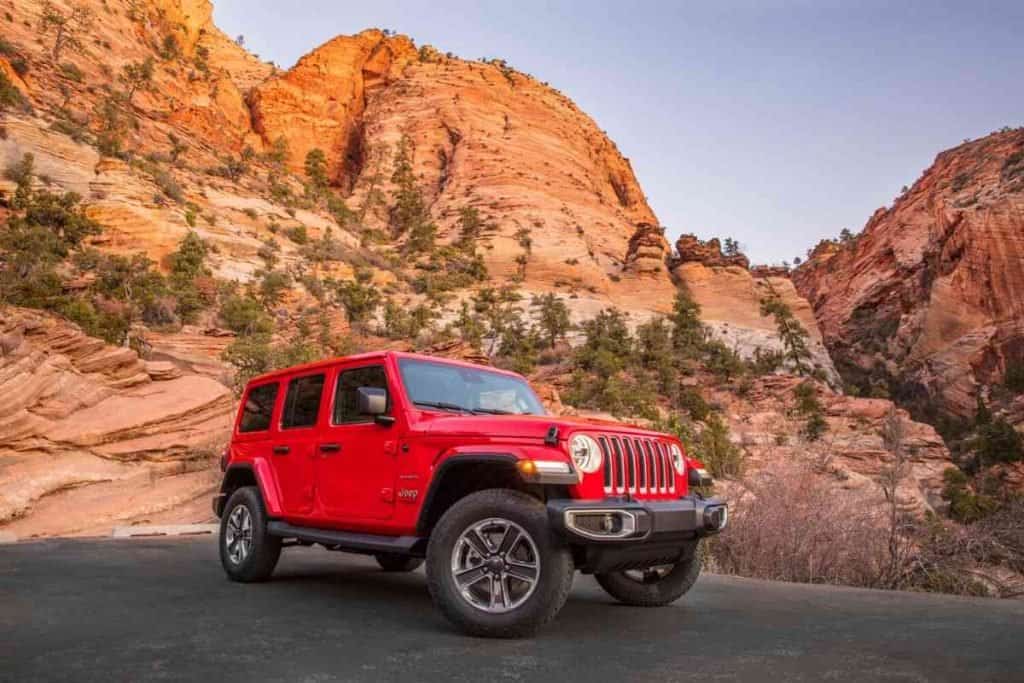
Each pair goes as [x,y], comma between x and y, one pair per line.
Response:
[371,355]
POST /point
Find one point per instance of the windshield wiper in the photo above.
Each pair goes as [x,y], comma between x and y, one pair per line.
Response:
[463,409]
[443,406]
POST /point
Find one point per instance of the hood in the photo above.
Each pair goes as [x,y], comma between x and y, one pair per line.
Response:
[523,426]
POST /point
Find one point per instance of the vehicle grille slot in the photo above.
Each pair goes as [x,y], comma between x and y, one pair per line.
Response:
[641,467]
[620,478]
[662,470]
[606,452]
[649,462]
[627,451]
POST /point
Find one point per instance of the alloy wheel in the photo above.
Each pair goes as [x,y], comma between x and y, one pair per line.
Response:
[238,534]
[495,565]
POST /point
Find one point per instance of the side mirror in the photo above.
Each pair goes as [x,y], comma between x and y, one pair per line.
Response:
[374,401]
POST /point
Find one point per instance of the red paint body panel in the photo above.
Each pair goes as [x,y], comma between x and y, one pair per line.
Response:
[378,479]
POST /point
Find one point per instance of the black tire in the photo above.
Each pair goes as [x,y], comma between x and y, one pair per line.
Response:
[550,555]
[654,590]
[258,563]
[398,563]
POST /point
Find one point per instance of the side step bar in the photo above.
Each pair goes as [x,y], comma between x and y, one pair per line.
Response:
[352,542]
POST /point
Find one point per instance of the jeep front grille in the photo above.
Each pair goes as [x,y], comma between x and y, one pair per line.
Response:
[636,465]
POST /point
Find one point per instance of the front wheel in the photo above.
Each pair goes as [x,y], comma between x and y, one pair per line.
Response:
[494,568]
[654,586]
[247,551]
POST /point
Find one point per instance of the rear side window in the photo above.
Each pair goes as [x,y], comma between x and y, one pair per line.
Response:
[302,404]
[346,409]
[259,406]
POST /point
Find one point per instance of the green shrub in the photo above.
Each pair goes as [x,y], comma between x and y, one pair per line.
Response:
[297,234]
[996,441]
[960,181]
[552,318]
[808,405]
[1013,167]
[108,326]
[358,296]
[245,316]
[691,400]
[722,361]
[965,506]
[717,451]
[272,286]
[10,96]
[765,362]
[72,72]
[654,352]
[168,185]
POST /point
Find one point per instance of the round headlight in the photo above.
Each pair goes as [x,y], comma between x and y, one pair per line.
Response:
[586,454]
[678,461]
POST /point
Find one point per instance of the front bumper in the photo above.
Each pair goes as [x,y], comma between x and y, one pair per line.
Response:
[617,520]
[616,533]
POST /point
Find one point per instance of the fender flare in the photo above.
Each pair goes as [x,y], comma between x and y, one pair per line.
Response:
[450,463]
[261,471]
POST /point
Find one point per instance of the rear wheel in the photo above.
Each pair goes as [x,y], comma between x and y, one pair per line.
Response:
[247,552]
[654,586]
[493,566]
[398,563]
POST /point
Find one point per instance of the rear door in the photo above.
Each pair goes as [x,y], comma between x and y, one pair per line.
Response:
[357,463]
[294,443]
[256,422]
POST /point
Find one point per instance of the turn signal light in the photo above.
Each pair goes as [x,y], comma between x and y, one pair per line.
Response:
[527,467]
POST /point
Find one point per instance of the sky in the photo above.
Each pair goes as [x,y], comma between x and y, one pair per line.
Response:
[777,123]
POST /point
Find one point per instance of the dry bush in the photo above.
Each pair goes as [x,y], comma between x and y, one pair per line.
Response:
[793,524]
[983,558]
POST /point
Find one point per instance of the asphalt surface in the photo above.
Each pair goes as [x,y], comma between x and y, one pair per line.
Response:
[162,609]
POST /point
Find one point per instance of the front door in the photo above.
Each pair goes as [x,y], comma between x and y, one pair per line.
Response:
[357,463]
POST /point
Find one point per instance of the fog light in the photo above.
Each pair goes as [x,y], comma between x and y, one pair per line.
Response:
[716,518]
[601,524]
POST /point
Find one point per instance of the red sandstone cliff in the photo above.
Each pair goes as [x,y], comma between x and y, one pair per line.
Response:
[928,302]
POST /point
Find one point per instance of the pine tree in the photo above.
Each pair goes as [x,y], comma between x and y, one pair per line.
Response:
[688,332]
[316,171]
[791,332]
[409,215]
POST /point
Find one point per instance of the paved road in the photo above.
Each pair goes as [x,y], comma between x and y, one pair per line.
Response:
[161,609]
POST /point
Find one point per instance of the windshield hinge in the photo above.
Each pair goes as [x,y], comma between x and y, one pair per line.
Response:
[552,436]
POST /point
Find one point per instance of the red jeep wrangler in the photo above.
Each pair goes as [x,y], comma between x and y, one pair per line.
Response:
[406,457]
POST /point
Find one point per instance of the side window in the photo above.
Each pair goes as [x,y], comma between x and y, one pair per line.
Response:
[302,403]
[259,405]
[346,410]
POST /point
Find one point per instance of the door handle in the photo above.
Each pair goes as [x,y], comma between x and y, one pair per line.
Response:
[330,447]
[282,450]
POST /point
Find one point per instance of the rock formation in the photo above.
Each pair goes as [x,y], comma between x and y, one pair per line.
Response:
[927,304]
[730,294]
[648,250]
[84,423]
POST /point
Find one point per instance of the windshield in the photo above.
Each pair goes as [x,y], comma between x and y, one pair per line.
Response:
[455,388]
